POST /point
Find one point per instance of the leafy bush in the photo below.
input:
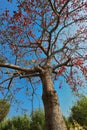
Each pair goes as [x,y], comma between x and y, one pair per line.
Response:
[35,122]
[16,123]
[4,108]
[79,112]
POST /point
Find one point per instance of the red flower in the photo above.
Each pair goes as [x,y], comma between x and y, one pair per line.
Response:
[61,70]
[79,62]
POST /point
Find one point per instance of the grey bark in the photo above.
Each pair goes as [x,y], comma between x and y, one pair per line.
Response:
[53,115]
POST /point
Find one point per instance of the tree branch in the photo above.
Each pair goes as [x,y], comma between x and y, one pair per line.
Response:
[26,70]
[62,64]
[53,8]
[64,6]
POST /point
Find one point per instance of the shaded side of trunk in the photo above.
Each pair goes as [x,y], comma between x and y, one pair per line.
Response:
[53,115]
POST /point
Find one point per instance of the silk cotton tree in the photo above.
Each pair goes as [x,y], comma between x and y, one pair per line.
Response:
[42,41]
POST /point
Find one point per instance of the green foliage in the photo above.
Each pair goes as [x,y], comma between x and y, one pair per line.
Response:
[4,108]
[21,123]
[35,122]
[79,112]
[16,123]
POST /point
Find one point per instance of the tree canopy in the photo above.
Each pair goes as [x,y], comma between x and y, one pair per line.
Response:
[38,120]
[42,41]
[40,34]
[4,108]
[35,121]
[79,112]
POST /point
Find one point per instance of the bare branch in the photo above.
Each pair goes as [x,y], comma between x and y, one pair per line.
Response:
[64,6]
[62,64]
[53,8]
[26,70]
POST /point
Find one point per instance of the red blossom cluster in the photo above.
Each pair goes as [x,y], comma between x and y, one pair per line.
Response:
[61,70]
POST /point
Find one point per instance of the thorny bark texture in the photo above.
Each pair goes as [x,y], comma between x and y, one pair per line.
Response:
[53,115]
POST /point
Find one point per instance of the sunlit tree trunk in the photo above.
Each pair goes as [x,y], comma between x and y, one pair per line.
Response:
[53,115]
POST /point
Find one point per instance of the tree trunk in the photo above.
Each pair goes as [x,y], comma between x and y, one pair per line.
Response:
[53,115]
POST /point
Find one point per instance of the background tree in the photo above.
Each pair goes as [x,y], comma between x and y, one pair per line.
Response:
[38,120]
[4,109]
[34,122]
[16,123]
[43,41]
[79,112]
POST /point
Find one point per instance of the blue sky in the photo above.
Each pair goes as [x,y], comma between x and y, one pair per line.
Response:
[7,5]
[66,97]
